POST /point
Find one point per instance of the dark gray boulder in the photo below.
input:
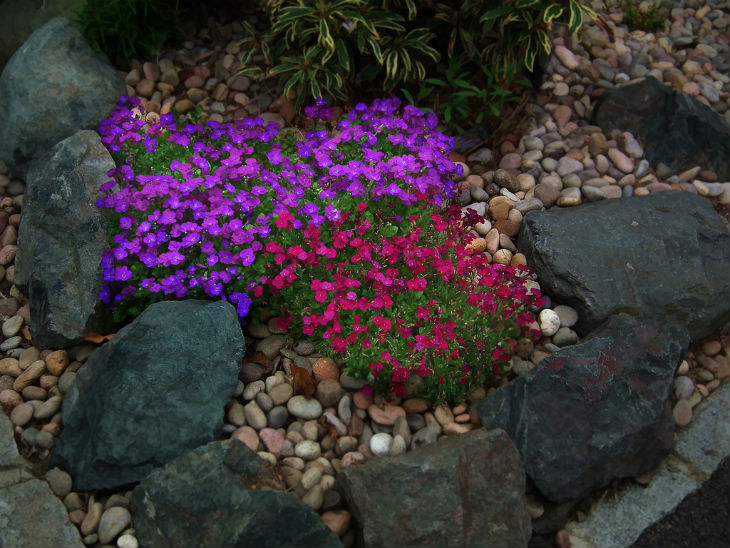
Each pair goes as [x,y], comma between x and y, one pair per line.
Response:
[593,412]
[467,490]
[53,86]
[157,389]
[664,257]
[223,494]
[61,241]
[675,128]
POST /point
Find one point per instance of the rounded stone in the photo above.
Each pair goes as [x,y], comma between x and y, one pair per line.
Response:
[387,414]
[682,412]
[549,322]
[21,414]
[12,326]
[565,336]
[277,417]
[307,450]
[329,392]
[302,408]
[337,520]
[56,362]
[255,417]
[59,481]
[380,444]
[127,541]
[247,436]
[325,368]
[684,387]
[113,521]
[398,447]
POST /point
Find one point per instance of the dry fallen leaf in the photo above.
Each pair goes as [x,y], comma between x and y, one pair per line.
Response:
[259,358]
[97,338]
[303,381]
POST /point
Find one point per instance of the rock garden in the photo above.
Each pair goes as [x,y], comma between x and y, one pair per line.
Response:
[601,210]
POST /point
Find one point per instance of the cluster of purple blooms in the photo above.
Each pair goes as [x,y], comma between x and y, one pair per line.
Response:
[193,206]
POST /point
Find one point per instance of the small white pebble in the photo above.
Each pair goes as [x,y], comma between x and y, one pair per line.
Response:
[549,322]
[127,541]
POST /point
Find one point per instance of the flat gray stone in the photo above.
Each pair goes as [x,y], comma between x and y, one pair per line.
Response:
[31,515]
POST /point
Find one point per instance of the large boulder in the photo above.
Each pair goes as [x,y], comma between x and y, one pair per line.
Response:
[30,514]
[62,239]
[467,490]
[595,411]
[223,494]
[156,390]
[664,257]
[675,128]
[53,86]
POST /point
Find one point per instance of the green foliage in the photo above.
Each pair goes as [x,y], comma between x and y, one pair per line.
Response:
[125,28]
[521,29]
[332,48]
[467,103]
[649,20]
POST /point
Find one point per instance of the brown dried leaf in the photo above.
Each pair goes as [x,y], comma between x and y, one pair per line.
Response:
[303,381]
[97,338]
[259,358]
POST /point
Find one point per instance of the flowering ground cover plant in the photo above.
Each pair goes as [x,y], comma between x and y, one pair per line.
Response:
[346,233]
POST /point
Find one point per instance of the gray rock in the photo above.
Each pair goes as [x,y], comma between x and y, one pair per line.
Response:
[664,256]
[469,491]
[675,128]
[53,86]
[61,242]
[31,515]
[136,404]
[248,498]
[593,412]
[8,450]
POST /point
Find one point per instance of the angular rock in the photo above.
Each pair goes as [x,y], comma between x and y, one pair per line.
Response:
[61,242]
[232,497]
[53,86]
[31,515]
[593,412]
[466,490]
[675,128]
[8,450]
[157,389]
[664,256]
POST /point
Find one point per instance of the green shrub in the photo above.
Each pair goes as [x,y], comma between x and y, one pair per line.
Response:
[649,20]
[331,49]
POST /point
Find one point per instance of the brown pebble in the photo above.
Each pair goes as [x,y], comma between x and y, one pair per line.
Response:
[328,392]
[7,254]
[454,428]
[26,378]
[325,368]
[387,414]
[21,414]
[10,398]
[10,366]
[337,520]
[361,401]
[510,228]
[414,405]
[711,348]
[499,207]
[682,412]
[56,362]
